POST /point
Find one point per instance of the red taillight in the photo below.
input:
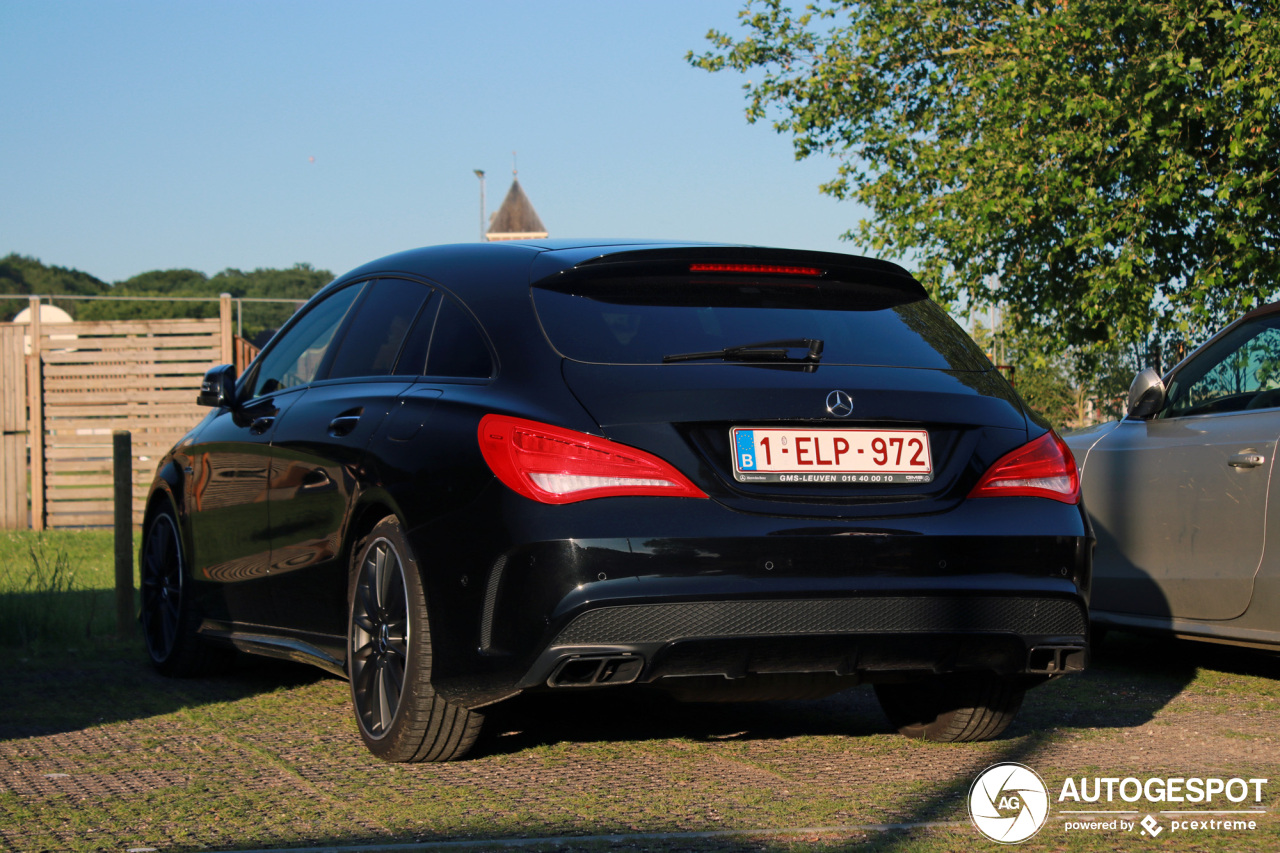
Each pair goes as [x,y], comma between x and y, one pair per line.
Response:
[1043,468]
[764,269]
[557,466]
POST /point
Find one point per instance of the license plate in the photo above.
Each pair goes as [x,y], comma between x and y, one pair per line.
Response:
[831,455]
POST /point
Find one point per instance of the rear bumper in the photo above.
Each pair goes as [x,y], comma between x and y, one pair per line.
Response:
[864,638]
[925,595]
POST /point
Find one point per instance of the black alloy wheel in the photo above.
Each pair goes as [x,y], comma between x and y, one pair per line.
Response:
[389,658]
[169,617]
[161,587]
[380,634]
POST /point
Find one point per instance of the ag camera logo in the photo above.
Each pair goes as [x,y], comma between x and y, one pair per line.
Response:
[1009,803]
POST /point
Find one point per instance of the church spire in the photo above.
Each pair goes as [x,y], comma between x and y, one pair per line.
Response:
[516,219]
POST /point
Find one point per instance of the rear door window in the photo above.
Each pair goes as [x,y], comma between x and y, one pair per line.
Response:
[458,348]
[377,332]
[413,356]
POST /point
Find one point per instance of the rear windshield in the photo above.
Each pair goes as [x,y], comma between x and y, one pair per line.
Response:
[644,319]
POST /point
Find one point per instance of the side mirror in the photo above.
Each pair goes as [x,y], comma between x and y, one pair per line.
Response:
[1146,394]
[219,387]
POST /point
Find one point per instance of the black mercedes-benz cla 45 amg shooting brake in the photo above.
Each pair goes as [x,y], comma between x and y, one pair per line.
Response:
[463,473]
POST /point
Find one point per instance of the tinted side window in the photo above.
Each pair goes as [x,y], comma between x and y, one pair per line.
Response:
[377,331]
[294,358]
[457,346]
[1240,371]
[413,356]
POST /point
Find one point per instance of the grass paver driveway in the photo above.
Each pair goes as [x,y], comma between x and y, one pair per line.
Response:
[99,753]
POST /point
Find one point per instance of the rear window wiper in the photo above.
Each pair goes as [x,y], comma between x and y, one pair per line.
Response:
[773,351]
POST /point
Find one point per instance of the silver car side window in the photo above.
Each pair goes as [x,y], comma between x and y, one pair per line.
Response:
[1240,371]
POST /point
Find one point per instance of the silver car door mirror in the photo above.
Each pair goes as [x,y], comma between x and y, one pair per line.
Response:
[1146,394]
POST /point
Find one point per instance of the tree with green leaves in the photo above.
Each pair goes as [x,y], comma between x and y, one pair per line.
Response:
[21,275]
[1107,170]
[164,294]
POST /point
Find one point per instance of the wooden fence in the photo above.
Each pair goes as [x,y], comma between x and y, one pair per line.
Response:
[81,381]
[13,427]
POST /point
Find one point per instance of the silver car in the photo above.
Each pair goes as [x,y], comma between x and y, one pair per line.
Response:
[1179,491]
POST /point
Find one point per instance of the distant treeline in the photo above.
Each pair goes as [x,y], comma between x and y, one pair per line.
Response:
[23,275]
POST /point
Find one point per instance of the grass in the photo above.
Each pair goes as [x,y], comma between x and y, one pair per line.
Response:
[56,586]
[100,753]
[90,552]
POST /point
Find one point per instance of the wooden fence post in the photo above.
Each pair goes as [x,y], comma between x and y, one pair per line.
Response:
[228,337]
[13,428]
[122,466]
[35,420]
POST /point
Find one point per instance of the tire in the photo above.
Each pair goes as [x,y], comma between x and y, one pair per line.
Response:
[169,616]
[399,715]
[952,708]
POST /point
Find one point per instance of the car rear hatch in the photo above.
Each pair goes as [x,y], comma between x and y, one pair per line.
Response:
[788,383]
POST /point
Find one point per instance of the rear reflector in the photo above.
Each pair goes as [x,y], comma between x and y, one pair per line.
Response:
[764,269]
[1043,468]
[554,465]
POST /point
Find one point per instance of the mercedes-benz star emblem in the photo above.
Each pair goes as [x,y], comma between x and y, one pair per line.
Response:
[839,404]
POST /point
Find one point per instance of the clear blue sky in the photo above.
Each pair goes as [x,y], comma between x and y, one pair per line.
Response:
[152,135]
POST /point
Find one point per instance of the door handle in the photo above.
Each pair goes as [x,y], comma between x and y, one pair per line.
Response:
[1246,460]
[261,425]
[343,424]
[315,479]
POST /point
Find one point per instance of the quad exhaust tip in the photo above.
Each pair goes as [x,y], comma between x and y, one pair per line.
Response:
[592,671]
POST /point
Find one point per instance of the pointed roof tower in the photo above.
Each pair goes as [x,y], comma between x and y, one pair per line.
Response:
[516,219]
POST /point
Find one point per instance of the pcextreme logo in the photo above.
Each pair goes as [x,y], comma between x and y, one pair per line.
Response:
[1009,803]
